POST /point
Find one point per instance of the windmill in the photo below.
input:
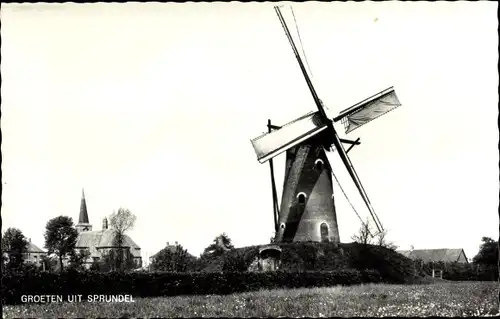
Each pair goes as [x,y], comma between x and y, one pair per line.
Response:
[307,211]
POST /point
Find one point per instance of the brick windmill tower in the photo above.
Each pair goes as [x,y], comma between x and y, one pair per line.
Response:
[307,211]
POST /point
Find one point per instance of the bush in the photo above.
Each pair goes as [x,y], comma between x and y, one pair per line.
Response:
[463,271]
[313,256]
[238,260]
[16,284]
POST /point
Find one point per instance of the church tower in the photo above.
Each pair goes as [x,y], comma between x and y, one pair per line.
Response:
[83,220]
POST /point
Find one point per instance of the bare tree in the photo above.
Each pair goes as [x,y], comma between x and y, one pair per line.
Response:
[381,240]
[121,221]
[364,234]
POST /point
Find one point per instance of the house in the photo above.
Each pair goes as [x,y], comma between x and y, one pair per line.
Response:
[34,254]
[436,255]
[172,248]
[100,242]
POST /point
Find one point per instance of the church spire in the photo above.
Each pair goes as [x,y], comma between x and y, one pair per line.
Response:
[84,217]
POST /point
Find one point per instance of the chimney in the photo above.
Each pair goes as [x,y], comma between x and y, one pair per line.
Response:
[176,244]
[168,243]
[104,223]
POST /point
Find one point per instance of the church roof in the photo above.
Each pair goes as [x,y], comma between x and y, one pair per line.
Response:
[444,254]
[84,216]
[95,240]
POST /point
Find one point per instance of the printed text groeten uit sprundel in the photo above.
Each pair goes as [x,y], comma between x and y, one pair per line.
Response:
[75,298]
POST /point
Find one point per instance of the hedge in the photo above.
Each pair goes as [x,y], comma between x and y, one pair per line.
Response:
[313,256]
[463,271]
[14,285]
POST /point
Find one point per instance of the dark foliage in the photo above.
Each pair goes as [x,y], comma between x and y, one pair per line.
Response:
[221,244]
[77,259]
[144,284]
[461,271]
[174,259]
[60,237]
[238,259]
[14,245]
[313,256]
[488,252]
[115,259]
[50,263]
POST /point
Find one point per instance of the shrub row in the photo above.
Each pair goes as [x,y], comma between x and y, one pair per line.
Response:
[463,271]
[16,284]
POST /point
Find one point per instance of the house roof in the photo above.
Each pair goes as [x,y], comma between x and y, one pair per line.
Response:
[94,240]
[32,248]
[444,254]
[170,247]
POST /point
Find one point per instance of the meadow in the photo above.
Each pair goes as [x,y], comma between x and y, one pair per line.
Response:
[370,300]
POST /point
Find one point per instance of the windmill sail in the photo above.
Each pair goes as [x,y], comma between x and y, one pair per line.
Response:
[318,102]
[350,168]
[368,110]
[272,144]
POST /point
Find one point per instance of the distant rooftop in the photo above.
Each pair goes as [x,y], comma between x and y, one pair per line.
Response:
[436,255]
[32,248]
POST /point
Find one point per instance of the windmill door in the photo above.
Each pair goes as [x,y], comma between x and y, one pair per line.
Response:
[324,232]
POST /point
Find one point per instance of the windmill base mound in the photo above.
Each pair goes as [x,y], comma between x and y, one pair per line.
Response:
[315,256]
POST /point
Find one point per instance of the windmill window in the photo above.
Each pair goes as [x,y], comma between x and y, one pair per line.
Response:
[301,197]
[319,164]
[282,226]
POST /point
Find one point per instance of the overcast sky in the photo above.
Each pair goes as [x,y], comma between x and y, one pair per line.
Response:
[152,107]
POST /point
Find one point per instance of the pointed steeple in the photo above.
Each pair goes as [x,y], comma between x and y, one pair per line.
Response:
[84,217]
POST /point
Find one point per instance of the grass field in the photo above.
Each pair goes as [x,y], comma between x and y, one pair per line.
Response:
[439,299]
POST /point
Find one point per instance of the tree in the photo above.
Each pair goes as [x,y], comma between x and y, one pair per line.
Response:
[381,240]
[112,261]
[15,245]
[60,237]
[488,252]
[49,263]
[95,266]
[221,244]
[173,259]
[363,236]
[121,221]
[236,261]
[77,259]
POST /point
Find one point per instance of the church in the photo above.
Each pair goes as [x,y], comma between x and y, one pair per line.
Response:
[99,242]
